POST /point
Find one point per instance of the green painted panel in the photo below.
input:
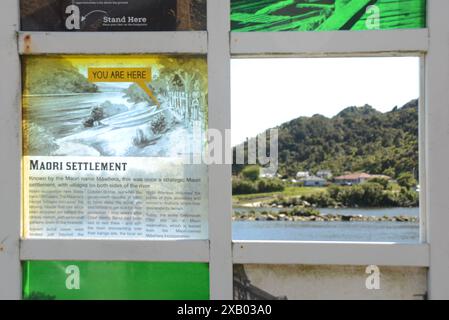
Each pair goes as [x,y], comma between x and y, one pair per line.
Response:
[326,15]
[76,280]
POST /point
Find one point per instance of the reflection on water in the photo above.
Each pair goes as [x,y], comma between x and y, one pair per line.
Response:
[374,212]
[385,231]
[326,231]
[63,115]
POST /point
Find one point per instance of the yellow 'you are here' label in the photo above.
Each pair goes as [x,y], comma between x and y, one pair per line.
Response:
[140,76]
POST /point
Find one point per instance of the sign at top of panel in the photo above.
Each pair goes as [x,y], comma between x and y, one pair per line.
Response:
[119,15]
[326,15]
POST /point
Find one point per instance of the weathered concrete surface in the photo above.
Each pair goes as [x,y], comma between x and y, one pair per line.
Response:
[337,282]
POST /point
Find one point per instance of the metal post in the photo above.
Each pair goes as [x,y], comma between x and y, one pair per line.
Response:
[220,191]
[437,127]
[10,152]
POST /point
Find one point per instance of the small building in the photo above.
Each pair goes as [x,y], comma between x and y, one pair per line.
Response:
[353,178]
[302,174]
[313,181]
[325,174]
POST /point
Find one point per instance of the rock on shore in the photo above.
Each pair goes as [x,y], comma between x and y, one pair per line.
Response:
[306,215]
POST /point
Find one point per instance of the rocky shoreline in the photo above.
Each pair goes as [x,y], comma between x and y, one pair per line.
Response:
[311,215]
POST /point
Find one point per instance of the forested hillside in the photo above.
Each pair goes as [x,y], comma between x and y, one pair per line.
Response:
[357,139]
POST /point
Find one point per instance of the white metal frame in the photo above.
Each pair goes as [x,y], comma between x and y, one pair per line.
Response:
[330,42]
[113,42]
[431,44]
[331,253]
[115,250]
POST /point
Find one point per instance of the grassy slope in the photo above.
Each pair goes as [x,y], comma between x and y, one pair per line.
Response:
[288,192]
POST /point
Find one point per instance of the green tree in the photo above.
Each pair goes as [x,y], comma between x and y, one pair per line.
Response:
[240,186]
[373,195]
[357,139]
[406,180]
[381,181]
[389,172]
[251,173]
[265,185]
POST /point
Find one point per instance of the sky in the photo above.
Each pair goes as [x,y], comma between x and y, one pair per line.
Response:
[268,92]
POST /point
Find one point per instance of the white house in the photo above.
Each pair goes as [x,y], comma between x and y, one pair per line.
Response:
[302,174]
[325,174]
[313,181]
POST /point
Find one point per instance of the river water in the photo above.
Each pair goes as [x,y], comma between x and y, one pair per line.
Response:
[64,114]
[400,232]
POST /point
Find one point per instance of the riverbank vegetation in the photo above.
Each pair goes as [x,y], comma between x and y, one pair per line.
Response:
[250,183]
[369,195]
[250,189]
[314,215]
[374,153]
[358,139]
